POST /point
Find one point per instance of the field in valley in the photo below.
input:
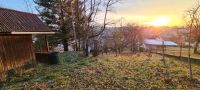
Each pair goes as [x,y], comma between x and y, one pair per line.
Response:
[176,51]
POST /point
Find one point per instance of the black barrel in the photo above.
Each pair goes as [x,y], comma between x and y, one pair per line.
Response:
[54,58]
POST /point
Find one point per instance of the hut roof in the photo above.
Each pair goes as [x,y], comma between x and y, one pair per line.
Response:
[159,42]
[17,22]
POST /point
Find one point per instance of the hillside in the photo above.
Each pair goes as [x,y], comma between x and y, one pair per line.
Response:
[126,71]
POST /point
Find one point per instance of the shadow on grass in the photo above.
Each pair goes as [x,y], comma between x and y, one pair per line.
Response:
[69,62]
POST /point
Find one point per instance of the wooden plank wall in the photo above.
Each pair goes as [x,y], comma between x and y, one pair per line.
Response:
[15,51]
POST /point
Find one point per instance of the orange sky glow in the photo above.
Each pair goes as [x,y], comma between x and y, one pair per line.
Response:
[153,12]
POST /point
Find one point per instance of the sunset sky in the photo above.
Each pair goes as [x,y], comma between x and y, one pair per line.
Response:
[148,12]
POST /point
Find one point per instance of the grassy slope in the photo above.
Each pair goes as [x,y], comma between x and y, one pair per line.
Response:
[108,72]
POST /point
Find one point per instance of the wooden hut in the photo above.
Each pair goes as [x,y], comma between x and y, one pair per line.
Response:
[16,30]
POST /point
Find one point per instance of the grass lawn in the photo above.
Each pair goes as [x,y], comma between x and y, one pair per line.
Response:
[126,71]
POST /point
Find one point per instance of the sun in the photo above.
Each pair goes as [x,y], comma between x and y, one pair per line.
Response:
[160,21]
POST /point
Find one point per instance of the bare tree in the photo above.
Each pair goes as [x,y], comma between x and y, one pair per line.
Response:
[134,36]
[193,24]
[193,21]
[119,40]
[180,41]
[91,9]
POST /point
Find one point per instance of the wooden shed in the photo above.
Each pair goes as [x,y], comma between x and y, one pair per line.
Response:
[16,30]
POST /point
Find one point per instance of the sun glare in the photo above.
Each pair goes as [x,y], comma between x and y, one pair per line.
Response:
[160,21]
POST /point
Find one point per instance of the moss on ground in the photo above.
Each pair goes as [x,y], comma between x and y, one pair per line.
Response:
[126,71]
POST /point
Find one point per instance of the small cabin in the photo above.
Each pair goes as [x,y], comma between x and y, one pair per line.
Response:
[16,38]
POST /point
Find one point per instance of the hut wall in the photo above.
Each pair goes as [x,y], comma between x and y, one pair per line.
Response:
[15,51]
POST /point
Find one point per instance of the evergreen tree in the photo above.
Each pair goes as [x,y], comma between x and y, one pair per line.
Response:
[46,10]
[55,13]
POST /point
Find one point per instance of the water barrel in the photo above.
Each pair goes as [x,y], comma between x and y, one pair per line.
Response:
[54,58]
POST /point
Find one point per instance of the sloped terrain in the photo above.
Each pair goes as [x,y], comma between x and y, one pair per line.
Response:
[126,71]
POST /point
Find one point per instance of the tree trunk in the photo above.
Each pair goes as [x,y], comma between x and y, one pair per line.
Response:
[189,58]
[86,49]
[79,45]
[196,47]
[95,50]
[65,43]
[74,32]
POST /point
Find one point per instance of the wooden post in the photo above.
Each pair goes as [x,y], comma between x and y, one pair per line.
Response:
[181,50]
[163,46]
[47,43]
